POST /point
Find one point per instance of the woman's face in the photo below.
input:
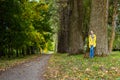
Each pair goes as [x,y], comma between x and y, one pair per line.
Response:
[91,32]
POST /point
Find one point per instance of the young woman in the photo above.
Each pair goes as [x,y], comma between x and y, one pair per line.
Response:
[92,43]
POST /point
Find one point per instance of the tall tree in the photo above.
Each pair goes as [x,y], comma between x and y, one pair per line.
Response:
[114,15]
[70,35]
[75,27]
[98,23]
[63,30]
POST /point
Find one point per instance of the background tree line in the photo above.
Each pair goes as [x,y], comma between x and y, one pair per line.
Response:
[24,27]
[27,26]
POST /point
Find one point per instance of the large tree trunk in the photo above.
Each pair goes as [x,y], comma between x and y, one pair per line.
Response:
[63,31]
[113,25]
[75,28]
[98,23]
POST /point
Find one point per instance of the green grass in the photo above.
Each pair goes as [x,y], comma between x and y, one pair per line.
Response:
[63,67]
[8,63]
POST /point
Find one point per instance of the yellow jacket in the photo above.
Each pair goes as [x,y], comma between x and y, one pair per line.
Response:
[92,41]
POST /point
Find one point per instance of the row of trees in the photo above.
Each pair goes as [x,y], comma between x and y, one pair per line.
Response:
[78,17]
[24,27]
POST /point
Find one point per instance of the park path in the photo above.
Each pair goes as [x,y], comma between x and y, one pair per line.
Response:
[32,70]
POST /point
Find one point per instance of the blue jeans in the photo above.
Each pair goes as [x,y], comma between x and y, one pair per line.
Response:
[91,52]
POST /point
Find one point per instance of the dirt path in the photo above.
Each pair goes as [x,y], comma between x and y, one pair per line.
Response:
[29,71]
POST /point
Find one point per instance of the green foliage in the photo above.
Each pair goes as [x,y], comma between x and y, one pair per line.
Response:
[24,24]
[116,45]
[50,46]
[86,18]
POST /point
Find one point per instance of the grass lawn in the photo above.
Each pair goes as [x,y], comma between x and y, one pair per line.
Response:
[8,63]
[63,67]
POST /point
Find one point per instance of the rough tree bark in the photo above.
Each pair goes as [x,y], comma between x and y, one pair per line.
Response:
[113,25]
[98,23]
[63,30]
[75,27]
